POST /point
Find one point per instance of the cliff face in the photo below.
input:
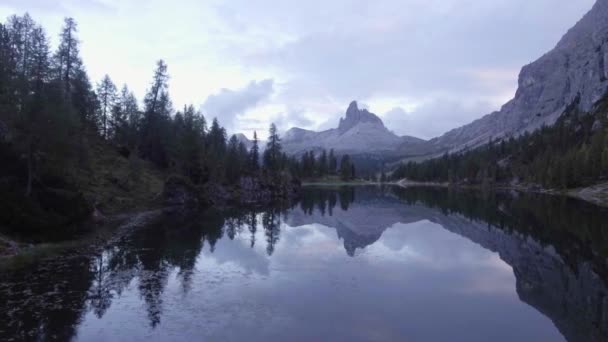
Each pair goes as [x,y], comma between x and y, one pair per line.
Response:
[569,292]
[575,70]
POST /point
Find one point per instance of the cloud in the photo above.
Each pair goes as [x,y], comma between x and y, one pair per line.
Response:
[228,104]
[62,7]
[412,47]
[444,62]
[434,118]
[292,118]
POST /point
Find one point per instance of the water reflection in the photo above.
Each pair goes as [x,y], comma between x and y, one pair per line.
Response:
[190,276]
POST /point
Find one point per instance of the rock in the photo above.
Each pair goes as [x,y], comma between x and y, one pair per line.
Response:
[218,194]
[179,191]
[355,116]
[359,132]
[252,191]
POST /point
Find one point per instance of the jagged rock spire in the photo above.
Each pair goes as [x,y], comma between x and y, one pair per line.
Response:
[354,116]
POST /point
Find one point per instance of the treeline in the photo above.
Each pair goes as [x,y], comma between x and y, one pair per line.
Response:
[571,153]
[51,114]
[325,164]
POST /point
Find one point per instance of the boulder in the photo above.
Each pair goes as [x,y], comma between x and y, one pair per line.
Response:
[179,191]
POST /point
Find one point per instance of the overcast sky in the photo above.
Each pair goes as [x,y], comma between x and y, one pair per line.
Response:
[424,66]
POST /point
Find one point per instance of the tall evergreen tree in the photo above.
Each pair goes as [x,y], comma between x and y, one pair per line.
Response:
[332,163]
[273,153]
[157,112]
[254,154]
[107,97]
[233,168]
[67,58]
[346,170]
[323,164]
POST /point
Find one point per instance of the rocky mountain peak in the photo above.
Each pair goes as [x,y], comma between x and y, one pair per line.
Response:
[354,116]
[574,72]
[359,132]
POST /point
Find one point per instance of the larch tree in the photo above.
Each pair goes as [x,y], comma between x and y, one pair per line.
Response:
[107,97]
[67,58]
[332,162]
[272,154]
[254,154]
[157,113]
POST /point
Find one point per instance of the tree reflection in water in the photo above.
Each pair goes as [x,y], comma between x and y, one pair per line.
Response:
[48,300]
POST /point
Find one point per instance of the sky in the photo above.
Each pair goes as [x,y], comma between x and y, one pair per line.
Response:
[423,66]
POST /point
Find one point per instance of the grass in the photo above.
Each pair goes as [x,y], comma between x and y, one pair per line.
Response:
[115,183]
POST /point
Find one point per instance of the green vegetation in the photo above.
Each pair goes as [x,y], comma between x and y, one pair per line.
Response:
[572,153]
[323,168]
[68,148]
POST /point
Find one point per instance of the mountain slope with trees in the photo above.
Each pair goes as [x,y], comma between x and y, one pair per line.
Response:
[69,148]
[575,69]
[570,154]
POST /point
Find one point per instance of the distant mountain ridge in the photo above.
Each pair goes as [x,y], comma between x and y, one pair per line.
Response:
[574,72]
[359,132]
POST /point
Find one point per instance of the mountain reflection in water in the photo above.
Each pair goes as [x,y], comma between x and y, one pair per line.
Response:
[349,263]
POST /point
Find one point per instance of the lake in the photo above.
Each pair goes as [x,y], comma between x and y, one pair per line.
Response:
[341,264]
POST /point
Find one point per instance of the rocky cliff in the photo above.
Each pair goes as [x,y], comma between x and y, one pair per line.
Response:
[575,71]
[359,132]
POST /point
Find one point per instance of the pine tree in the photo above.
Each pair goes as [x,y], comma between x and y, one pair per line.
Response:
[254,154]
[272,154]
[190,126]
[157,111]
[346,170]
[323,164]
[40,67]
[233,168]
[21,30]
[126,119]
[67,58]
[243,158]
[107,96]
[333,162]
[216,140]
[7,70]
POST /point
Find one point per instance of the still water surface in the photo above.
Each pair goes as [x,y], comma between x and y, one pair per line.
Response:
[342,264]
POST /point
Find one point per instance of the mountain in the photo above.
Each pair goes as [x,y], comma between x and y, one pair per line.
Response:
[550,273]
[575,72]
[243,138]
[359,132]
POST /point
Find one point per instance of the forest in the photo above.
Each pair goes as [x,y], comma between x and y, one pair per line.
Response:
[571,153]
[65,142]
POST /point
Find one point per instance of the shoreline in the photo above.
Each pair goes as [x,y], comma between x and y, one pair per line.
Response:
[20,253]
[595,194]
